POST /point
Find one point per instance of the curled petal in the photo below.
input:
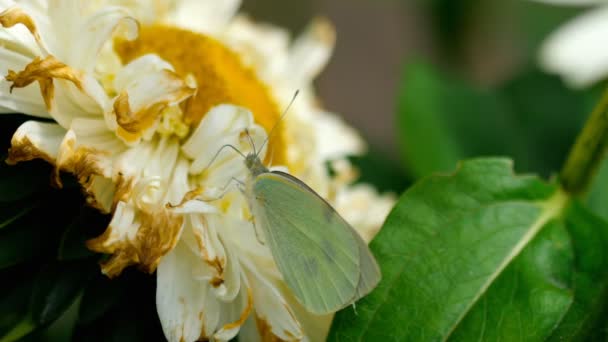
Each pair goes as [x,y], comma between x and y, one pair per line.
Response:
[138,107]
[137,237]
[43,71]
[15,15]
[36,140]
[96,30]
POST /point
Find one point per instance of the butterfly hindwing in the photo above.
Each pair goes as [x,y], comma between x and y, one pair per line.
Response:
[316,250]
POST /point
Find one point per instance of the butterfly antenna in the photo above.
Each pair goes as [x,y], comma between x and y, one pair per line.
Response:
[217,154]
[250,141]
[279,121]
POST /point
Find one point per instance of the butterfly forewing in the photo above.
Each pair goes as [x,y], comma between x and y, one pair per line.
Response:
[316,251]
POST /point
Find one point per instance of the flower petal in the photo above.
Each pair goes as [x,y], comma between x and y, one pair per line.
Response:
[36,140]
[136,236]
[147,92]
[207,16]
[311,52]
[95,32]
[223,125]
[274,316]
[576,51]
[186,306]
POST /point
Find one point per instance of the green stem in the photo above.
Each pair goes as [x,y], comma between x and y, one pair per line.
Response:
[588,151]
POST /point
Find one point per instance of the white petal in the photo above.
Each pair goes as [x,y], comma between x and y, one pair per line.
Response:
[364,208]
[95,31]
[262,46]
[270,305]
[335,139]
[207,16]
[71,103]
[45,137]
[577,50]
[123,225]
[133,71]
[195,207]
[186,307]
[310,52]
[222,125]
[179,182]
[234,314]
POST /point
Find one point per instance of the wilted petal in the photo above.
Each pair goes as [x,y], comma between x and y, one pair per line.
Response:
[136,110]
[36,140]
[273,314]
[136,236]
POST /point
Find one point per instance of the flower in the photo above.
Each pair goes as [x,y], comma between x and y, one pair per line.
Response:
[142,98]
[577,51]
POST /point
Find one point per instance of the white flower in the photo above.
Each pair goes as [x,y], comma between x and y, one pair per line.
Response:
[142,98]
[577,51]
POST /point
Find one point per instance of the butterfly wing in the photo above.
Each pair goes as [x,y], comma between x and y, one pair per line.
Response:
[370,272]
[316,250]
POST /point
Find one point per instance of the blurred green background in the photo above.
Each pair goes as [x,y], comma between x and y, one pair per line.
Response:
[429,82]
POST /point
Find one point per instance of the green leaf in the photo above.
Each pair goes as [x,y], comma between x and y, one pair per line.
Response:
[10,212]
[57,287]
[16,288]
[441,121]
[475,255]
[597,199]
[590,241]
[88,224]
[22,180]
[533,118]
[133,318]
[100,295]
[24,242]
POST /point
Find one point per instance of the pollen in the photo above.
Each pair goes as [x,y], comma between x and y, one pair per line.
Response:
[220,75]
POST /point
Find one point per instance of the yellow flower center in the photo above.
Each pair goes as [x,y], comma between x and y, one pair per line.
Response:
[220,75]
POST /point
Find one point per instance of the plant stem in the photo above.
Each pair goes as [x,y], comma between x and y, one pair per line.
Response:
[588,151]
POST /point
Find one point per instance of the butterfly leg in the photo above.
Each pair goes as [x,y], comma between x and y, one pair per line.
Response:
[258,236]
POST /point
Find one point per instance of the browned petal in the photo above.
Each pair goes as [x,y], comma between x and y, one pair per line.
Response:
[189,196]
[156,236]
[216,263]
[124,186]
[43,71]
[14,16]
[244,314]
[265,331]
[85,164]
[133,124]
[22,149]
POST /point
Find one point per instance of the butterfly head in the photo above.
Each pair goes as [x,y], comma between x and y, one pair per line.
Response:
[254,164]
